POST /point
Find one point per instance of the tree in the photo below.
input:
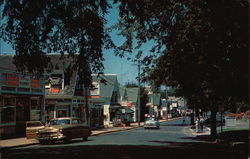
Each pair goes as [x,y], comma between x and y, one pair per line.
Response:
[70,27]
[37,28]
[201,47]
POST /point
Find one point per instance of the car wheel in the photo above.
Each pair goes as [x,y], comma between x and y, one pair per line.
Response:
[85,138]
[66,140]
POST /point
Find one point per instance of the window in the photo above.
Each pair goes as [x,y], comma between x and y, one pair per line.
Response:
[76,121]
[35,104]
[8,109]
[59,122]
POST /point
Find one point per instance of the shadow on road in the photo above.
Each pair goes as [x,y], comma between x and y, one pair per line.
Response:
[175,125]
[187,150]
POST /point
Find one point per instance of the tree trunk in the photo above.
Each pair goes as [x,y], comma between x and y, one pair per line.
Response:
[213,121]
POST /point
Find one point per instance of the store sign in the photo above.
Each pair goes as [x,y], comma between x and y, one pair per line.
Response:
[174,104]
[230,121]
[54,90]
[34,83]
[164,108]
[12,79]
[95,91]
[24,82]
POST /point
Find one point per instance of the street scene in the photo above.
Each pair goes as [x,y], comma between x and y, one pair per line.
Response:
[172,140]
[124,79]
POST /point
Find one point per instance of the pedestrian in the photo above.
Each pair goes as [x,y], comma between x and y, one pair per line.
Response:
[197,125]
[202,122]
[183,120]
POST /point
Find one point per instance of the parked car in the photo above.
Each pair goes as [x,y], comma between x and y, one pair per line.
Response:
[63,129]
[151,123]
[32,128]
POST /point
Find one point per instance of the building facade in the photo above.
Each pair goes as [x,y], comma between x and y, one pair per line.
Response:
[21,100]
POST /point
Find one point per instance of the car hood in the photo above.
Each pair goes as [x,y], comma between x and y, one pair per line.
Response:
[53,128]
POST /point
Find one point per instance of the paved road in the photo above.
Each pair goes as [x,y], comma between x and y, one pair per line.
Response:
[171,140]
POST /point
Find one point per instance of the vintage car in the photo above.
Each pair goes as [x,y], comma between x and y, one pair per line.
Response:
[32,127]
[63,129]
[151,123]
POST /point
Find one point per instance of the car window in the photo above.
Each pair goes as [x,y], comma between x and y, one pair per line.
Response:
[59,122]
[34,124]
[76,121]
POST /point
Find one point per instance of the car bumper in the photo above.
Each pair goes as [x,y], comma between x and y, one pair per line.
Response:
[151,126]
[51,138]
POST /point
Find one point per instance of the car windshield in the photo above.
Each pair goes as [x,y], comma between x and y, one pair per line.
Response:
[34,124]
[151,119]
[59,122]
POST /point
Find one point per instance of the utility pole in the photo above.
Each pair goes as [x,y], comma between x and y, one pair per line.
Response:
[139,93]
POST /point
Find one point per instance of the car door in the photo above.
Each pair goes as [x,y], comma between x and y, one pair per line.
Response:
[77,128]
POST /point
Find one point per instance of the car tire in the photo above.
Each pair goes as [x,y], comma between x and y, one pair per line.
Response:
[66,140]
[85,138]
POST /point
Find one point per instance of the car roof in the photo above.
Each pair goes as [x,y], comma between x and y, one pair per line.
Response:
[33,121]
[68,118]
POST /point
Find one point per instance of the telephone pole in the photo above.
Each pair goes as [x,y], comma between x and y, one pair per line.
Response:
[139,93]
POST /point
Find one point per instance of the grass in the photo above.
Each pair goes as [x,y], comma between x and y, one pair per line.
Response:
[229,129]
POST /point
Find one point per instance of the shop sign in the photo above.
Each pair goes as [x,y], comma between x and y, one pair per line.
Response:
[174,104]
[34,83]
[164,108]
[24,82]
[95,91]
[12,79]
[54,90]
[230,121]
[123,111]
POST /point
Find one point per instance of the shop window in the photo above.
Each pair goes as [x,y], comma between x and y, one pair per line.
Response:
[35,104]
[8,110]
[76,121]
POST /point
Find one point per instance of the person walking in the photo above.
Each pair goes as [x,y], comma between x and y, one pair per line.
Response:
[202,122]
[197,125]
[183,120]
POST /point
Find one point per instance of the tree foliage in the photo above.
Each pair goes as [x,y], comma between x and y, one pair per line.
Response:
[202,47]
[75,27]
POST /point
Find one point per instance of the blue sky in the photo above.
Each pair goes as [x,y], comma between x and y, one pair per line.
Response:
[127,71]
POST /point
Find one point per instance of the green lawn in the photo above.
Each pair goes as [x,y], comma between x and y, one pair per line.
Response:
[230,129]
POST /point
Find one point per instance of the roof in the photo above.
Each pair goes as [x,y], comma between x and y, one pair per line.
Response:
[108,84]
[132,95]
[155,99]
[123,91]
[58,65]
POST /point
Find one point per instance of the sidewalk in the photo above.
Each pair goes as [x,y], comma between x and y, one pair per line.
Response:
[206,131]
[21,142]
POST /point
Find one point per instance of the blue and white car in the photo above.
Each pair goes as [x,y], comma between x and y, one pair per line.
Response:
[151,123]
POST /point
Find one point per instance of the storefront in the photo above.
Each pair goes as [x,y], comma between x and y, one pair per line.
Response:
[21,100]
[64,106]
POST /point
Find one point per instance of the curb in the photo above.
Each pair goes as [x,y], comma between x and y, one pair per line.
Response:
[17,146]
[106,132]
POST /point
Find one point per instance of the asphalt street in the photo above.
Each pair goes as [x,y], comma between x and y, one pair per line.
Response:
[172,140]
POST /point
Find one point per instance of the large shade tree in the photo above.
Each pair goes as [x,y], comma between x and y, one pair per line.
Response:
[201,47]
[73,27]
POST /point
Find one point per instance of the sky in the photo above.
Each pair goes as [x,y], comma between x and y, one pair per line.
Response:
[126,71]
